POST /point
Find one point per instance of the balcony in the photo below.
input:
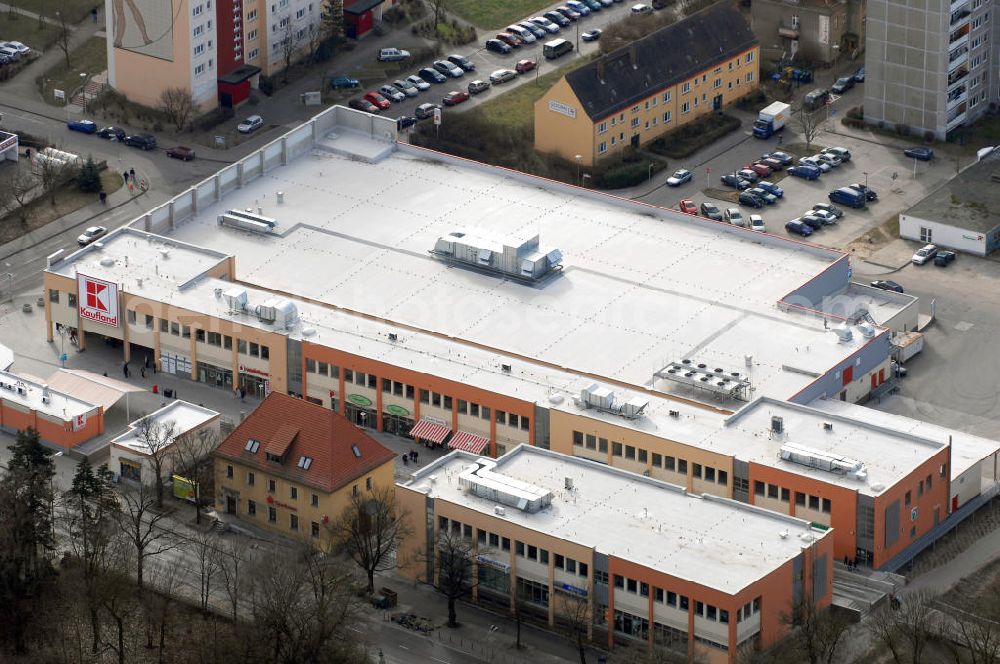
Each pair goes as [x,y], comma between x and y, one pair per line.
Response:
[958,35]
[957,97]
[958,4]
[960,74]
[957,59]
[958,17]
[955,119]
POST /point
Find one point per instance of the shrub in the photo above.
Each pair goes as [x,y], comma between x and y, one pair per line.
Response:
[929,136]
[689,138]
[266,85]
[903,129]
[89,179]
[625,174]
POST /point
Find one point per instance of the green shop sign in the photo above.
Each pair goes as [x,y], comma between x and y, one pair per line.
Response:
[359,400]
[397,410]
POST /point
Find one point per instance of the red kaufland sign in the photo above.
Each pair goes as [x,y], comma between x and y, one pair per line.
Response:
[98,300]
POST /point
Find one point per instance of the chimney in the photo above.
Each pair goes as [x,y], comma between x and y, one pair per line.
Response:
[600,70]
[633,57]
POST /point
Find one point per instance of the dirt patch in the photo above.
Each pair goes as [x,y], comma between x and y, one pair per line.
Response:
[41,212]
[984,582]
[986,520]
[723,194]
[863,246]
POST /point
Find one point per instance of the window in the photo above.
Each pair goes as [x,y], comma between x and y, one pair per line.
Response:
[717,84]
[484,412]
[293,493]
[784,495]
[200,48]
[425,396]
[920,488]
[314,530]
[642,455]
[197,10]
[582,569]
[909,497]
[271,486]
[772,490]
[229,472]
[253,53]
[749,76]
[826,505]
[928,480]
[602,128]
[501,417]
[942,470]
[619,581]
[602,445]
[685,88]
[241,346]
[685,107]
[252,445]
[314,501]
[800,498]
[630,452]
[709,474]
[631,585]
[814,502]
[533,592]
[53,296]
[616,449]
[272,515]
[250,479]
[669,463]
[749,57]
[758,488]
[578,438]
[300,13]
[252,35]
[71,300]
[505,544]
[635,122]
[251,508]
[199,70]
[722,477]
[513,420]
[657,459]
[368,483]
[696,470]
[644,589]
[293,521]
[682,466]
[149,326]
[525,424]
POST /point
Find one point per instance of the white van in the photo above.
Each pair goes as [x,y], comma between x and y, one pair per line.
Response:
[526,35]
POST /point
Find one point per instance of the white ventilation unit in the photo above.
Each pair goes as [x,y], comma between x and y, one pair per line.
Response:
[236,298]
[480,479]
[832,463]
[248,221]
[518,257]
[602,398]
[843,332]
[713,379]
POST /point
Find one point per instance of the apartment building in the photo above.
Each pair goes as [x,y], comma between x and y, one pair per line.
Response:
[811,30]
[651,563]
[640,92]
[292,466]
[929,64]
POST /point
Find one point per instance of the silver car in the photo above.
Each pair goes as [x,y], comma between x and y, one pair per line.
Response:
[502,76]
[545,24]
[419,83]
[449,68]
[406,87]
[392,93]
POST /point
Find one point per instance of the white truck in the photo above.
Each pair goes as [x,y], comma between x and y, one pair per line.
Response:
[772,119]
[906,345]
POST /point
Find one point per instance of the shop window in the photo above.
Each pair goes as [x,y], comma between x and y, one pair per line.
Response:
[602,445]
[682,466]
[53,296]
[669,463]
[130,470]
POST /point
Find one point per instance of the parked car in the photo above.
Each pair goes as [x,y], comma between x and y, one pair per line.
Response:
[461,61]
[757,223]
[535,29]
[804,171]
[772,189]
[763,194]
[641,9]
[762,170]
[251,124]
[827,218]
[455,97]
[406,86]
[392,54]
[783,157]
[502,76]
[887,284]
[679,177]
[859,75]
[90,235]
[404,121]
[734,217]
[847,196]
[431,75]
[417,82]
[568,13]
[799,228]
[511,40]
[842,153]
[83,126]
[377,99]
[731,180]
[771,163]
[144,141]
[812,221]
[524,66]
[525,35]
[498,46]
[338,82]
[870,194]
[392,93]
[710,211]
[843,84]
[687,206]
[815,163]
[546,24]
[923,154]
[361,104]
[112,132]
[556,17]
[10,53]
[449,68]
[578,7]
[750,200]
[747,174]
[181,152]
[832,209]
[18,46]
[830,160]
[478,86]
[591,35]
[924,254]
[425,111]
[944,258]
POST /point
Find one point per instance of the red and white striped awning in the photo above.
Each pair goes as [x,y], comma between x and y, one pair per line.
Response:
[468,442]
[429,429]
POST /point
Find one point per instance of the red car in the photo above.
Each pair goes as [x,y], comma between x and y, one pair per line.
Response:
[523,66]
[378,100]
[687,206]
[760,169]
[510,39]
[455,97]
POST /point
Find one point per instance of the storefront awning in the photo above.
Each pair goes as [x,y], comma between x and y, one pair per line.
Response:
[91,387]
[429,429]
[468,442]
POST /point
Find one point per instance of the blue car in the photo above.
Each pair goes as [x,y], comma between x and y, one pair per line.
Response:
[338,82]
[804,171]
[772,189]
[799,228]
[923,154]
[85,126]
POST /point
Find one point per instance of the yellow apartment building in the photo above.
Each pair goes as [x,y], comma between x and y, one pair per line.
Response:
[640,92]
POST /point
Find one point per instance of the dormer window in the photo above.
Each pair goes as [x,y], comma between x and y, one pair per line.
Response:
[356,450]
[272,457]
[252,446]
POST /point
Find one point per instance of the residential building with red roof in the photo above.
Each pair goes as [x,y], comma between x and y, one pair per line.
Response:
[291,466]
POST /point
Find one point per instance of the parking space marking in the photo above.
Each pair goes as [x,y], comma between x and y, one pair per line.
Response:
[963,326]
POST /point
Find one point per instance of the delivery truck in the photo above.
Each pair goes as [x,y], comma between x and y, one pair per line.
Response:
[771,120]
[906,345]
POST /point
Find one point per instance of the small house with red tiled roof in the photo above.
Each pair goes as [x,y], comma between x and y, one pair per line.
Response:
[292,465]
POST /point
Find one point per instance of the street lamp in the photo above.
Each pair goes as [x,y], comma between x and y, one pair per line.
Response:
[586,176]
[865,173]
[650,173]
[578,158]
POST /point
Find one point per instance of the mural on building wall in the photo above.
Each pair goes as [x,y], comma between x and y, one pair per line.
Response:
[145,26]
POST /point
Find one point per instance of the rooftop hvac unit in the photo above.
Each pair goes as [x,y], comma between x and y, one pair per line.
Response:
[675,413]
[505,368]
[568,483]
[236,298]
[867,329]
[777,424]
[277,311]
[393,336]
[499,510]
[828,426]
[827,461]
[843,332]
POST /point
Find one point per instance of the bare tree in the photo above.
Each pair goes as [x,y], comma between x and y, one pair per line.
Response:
[143,527]
[809,123]
[314,38]
[576,620]
[158,606]
[204,546]
[289,46]
[234,556]
[437,11]
[904,627]
[454,564]
[63,32]
[178,105]
[53,174]
[369,530]
[157,438]
[979,630]
[192,454]
[819,630]
[16,185]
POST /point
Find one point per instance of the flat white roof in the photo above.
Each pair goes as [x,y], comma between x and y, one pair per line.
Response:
[887,455]
[966,449]
[715,542]
[184,416]
[640,288]
[31,393]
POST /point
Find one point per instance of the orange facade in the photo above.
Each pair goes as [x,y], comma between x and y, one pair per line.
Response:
[17,417]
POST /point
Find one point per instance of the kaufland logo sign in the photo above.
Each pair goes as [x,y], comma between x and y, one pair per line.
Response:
[98,300]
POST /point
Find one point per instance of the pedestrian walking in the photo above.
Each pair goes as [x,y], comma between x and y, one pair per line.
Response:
[405,463]
[131,173]
[142,371]
[93,14]
[27,153]
[125,369]
[131,187]
[779,139]
[125,176]
[243,394]
[145,362]
[104,198]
